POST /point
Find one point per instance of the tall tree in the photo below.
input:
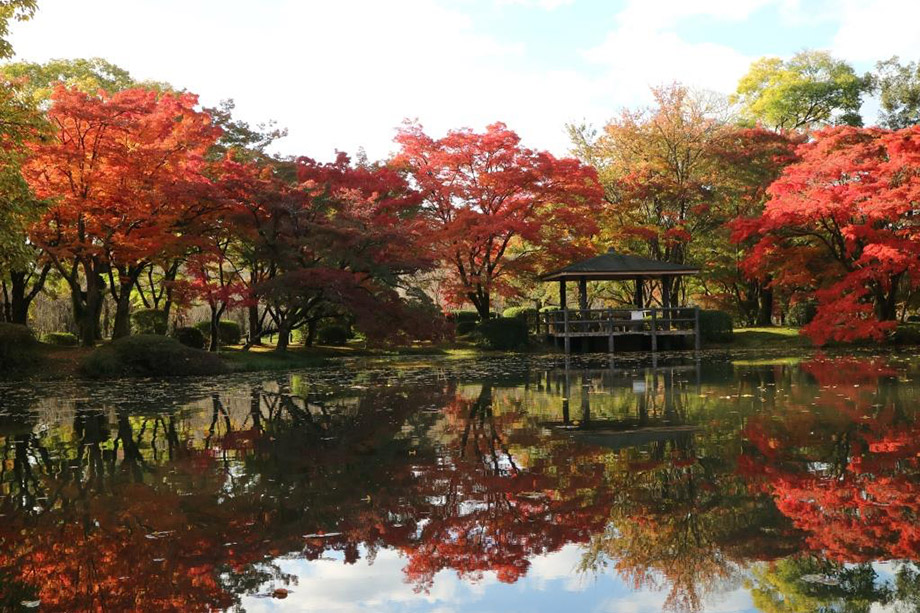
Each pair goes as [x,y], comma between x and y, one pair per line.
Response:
[126,175]
[840,222]
[745,162]
[498,211]
[899,92]
[657,170]
[809,90]
[21,276]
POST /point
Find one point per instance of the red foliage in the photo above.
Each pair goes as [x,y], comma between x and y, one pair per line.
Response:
[498,211]
[839,222]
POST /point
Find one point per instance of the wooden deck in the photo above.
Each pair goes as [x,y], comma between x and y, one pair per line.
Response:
[567,324]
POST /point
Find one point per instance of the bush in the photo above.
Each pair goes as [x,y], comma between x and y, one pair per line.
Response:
[149,321]
[464,316]
[549,309]
[228,332]
[17,348]
[503,334]
[906,334]
[62,339]
[332,334]
[149,355]
[522,312]
[801,313]
[190,337]
[465,327]
[715,327]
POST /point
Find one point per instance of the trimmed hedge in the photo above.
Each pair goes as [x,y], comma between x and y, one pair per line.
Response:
[462,316]
[524,312]
[149,355]
[502,334]
[17,348]
[228,332]
[149,321]
[61,339]
[190,337]
[332,334]
[715,326]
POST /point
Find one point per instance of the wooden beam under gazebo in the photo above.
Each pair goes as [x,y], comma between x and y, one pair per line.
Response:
[667,320]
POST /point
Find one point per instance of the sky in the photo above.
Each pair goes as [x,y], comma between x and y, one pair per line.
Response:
[344,74]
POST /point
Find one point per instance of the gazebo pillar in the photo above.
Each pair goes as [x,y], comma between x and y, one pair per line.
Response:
[562,304]
[666,292]
[638,296]
[583,294]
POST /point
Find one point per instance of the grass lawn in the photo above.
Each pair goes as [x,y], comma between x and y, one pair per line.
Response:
[768,338]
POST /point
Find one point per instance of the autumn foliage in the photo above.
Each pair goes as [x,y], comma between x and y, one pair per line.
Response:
[840,224]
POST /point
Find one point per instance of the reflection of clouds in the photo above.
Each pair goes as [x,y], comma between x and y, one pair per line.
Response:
[331,585]
[560,566]
[553,583]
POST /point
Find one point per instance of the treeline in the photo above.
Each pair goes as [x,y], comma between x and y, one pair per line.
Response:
[130,194]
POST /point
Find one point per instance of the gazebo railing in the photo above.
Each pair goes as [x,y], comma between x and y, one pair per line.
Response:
[569,323]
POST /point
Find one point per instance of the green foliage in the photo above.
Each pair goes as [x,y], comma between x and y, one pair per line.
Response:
[13,10]
[190,337]
[459,316]
[715,326]
[228,332]
[810,89]
[801,313]
[523,312]
[89,75]
[149,321]
[899,93]
[502,334]
[17,348]
[61,339]
[549,309]
[149,355]
[332,334]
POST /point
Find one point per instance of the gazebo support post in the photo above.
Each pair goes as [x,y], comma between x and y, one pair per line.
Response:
[638,296]
[563,304]
[583,294]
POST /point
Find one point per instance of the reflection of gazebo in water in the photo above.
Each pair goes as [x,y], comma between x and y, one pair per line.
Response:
[668,320]
[658,416]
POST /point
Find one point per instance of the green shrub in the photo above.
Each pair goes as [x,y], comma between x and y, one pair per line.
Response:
[801,313]
[190,337]
[149,355]
[715,327]
[503,334]
[62,339]
[549,309]
[17,348]
[913,318]
[332,334]
[228,332]
[907,334]
[463,316]
[149,321]
[466,327]
[522,312]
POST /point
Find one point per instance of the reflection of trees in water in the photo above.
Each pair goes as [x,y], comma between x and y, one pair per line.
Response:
[164,510]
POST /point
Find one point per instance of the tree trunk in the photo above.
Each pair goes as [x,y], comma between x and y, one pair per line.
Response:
[122,324]
[19,304]
[87,307]
[311,333]
[255,325]
[284,337]
[482,302]
[214,342]
[764,307]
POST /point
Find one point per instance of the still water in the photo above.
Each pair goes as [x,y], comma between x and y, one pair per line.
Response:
[506,484]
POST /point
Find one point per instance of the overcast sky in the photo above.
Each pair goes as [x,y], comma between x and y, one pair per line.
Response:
[340,74]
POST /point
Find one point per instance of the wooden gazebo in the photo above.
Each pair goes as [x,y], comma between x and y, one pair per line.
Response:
[669,319]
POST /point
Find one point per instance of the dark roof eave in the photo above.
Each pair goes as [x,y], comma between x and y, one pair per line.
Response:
[613,276]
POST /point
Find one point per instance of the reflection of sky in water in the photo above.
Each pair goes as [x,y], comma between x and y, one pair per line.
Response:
[553,583]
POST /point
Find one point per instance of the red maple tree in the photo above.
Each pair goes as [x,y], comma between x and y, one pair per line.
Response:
[498,211]
[840,223]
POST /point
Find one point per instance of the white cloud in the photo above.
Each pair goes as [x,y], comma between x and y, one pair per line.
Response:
[548,5]
[872,30]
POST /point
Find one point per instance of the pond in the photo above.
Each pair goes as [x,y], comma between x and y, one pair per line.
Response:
[502,484]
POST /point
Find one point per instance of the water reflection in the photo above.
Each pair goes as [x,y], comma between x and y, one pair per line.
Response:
[779,486]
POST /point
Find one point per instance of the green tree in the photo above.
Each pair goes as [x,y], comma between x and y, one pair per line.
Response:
[899,92]
[89,75]
[810,89]
[13,10]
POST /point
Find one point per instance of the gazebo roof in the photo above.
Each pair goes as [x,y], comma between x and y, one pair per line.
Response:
[611,266]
